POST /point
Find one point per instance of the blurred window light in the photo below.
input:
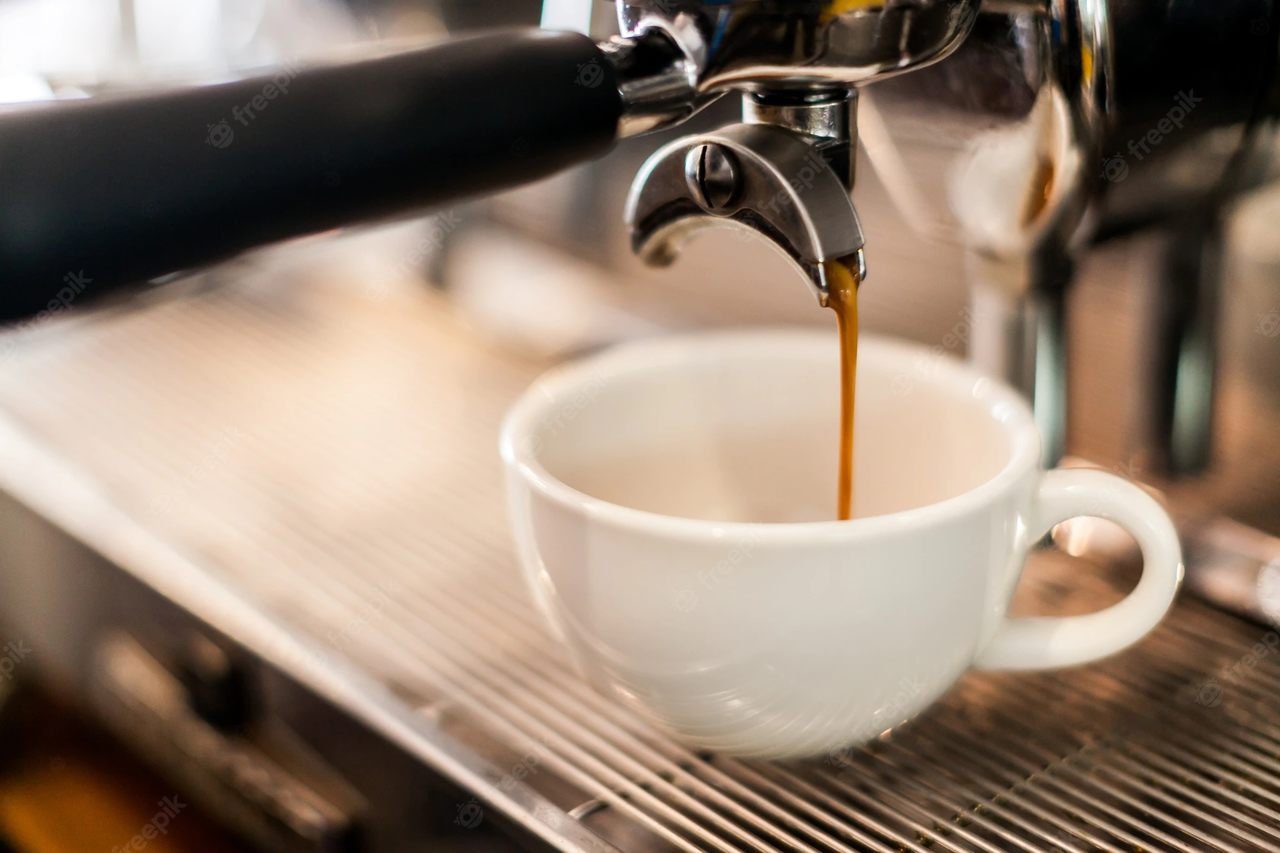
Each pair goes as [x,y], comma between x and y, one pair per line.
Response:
[68,38]
[94,44]
[23,88]
[176,34]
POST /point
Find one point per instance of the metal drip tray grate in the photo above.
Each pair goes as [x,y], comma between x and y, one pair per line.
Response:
[329,456]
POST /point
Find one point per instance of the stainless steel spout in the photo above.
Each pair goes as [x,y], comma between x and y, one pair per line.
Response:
[763,178]
[787,172]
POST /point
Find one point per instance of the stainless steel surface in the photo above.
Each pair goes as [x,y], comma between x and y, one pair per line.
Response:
[771,181]
[657,82]
[1020,335]
[259,794]
[797,65]
[324,454]
[749,43]
[1186,346]
[828,117]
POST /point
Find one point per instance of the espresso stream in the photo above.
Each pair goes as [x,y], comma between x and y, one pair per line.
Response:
[842,298]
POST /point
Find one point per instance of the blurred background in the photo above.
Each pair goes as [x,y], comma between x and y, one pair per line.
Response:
[255,585]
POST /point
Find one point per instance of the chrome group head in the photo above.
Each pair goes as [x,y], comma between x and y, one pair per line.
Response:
[786,172]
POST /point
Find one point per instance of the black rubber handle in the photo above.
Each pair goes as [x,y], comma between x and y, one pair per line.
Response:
[103,194]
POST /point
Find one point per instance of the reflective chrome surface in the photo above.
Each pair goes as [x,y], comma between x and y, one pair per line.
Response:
[1057,125]
[771,44]
[657,82]
[764,178]
[997,147]
[798,63]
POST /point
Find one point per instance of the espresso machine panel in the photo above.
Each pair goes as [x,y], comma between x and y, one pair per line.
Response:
[276,561]
[317,586]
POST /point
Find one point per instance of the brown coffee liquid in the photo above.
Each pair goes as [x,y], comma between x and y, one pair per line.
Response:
[842,298]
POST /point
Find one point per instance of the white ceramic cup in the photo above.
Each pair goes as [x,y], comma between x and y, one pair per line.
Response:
[670,504]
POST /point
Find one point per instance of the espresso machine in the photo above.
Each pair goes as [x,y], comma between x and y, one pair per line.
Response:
[1053,127]
[276,564]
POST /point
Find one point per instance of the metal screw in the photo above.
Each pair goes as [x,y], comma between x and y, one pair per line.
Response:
[712,174]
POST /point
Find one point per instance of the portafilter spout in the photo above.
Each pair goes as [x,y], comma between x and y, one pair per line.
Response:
[789,186]
[786,172]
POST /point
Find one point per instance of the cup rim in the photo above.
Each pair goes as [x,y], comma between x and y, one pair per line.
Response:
[1015,418]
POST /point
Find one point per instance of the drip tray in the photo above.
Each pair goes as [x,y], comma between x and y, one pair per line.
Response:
[310,474]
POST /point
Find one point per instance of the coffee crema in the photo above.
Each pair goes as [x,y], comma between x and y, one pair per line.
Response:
[842,298]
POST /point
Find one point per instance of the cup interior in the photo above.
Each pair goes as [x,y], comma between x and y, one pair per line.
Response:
[745,427]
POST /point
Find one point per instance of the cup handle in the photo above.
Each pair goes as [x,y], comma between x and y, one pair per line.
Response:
[1048,643]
